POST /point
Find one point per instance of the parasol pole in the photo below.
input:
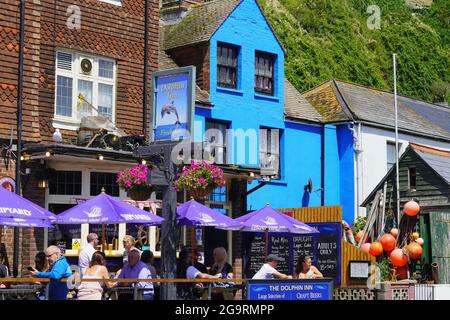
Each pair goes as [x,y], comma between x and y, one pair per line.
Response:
[103,237]
[397,183]
[193,241]
[267,242]
[267,235]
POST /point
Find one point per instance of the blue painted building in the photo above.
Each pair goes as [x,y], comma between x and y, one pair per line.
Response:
[242,86]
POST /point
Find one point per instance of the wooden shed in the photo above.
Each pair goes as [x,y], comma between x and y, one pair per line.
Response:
[424,176]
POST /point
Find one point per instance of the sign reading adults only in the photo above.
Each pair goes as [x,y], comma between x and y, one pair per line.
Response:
[295,289]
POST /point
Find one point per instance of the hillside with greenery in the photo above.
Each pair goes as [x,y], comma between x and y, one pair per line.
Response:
[327,39]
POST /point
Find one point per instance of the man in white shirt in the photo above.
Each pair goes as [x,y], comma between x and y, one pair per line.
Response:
[85,256]
[268,270]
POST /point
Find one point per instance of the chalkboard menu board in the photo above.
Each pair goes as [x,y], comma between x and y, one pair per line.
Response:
[254,253]
[325,248]
[281,246]
[302,245]
[328,251]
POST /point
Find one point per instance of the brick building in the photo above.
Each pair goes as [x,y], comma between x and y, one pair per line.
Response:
[86,49]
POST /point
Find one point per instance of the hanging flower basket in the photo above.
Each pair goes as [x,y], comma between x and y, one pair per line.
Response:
[140,194]
[199,180]
[134,182]
[199,193]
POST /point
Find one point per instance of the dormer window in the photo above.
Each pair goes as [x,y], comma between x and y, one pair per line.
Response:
[227,65]
[264,73]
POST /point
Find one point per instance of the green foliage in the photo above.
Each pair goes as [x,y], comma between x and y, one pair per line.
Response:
[359,224]
[385,269]
[327,39]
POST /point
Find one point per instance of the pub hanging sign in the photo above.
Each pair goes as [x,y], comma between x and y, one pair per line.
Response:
[172,102]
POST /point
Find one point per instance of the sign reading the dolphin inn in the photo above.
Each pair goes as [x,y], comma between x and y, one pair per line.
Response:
[296,289]
[173,104]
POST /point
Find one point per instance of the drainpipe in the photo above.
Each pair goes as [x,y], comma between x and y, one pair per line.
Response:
[322,167]
[357,150]
[19,130]
[145,80]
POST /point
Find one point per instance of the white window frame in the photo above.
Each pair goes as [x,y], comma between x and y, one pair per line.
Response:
[72,122]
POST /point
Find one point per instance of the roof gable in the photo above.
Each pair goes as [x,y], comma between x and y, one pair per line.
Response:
[437,159]
[202,21]
[199,24]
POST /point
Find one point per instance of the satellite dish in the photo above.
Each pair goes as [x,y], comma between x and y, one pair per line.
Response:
[309,186]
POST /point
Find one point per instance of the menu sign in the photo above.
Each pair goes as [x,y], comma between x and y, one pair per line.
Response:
[328,247]
[280,245]
[324,248]
[301,246]
[255,254]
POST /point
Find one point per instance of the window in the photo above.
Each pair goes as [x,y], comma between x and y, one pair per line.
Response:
[412,178]
[227,66]
[391,154]
[107,180]
[66,183]
[85,86]
[269,152]
[62,234]
[216,137]
[219,195]
[264,73]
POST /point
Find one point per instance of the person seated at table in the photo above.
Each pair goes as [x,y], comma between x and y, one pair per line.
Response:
[186,270]
[41,265]
[197,264]
[224,268]
[59,269]
[96,270]
[4,272]
[305,269]
[268,270]
[147,258]
[136,269]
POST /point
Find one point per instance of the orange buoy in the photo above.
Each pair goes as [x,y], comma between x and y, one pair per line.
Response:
[376,249]
[398,258]
[388,242]
[415,235]
[365,247]
[411,208]
[414,250]
[394,232]
[420,241]
[359,235]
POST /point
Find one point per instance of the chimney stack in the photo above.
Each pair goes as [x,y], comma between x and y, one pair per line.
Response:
[173,11]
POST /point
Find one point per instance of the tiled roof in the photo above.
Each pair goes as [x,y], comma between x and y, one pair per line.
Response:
[199,24]
[166,63]
[337,100]
[437,159]
[296,106]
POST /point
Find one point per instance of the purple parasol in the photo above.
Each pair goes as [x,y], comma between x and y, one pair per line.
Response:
[104,209]
[20,222]
[272,220]
[18,211]
[192,213]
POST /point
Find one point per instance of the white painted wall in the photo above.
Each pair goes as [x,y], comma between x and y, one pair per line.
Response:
[373,158]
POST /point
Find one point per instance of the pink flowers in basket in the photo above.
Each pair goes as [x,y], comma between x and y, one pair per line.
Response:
[134,178]
[200,176]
